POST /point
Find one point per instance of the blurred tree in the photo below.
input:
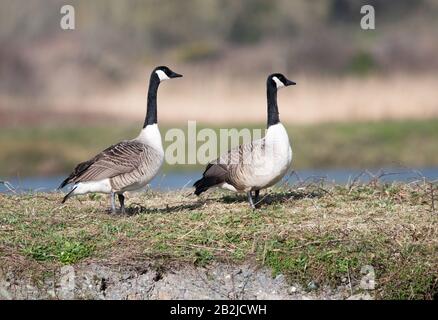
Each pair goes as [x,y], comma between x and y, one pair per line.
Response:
[114,37]
[253,20]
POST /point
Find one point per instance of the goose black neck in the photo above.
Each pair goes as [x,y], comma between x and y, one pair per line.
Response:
[151,112]
[273,115]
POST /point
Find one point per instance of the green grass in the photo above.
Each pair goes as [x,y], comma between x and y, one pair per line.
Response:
[308,233]
[57,149]
[59,249]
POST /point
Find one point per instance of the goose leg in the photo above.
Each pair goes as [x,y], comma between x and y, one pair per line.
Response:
[122,202]
[113,203]
[256,199]
[251,203]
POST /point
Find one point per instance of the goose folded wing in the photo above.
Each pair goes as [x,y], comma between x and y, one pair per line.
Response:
[233,160]
[241,155]
[120,158]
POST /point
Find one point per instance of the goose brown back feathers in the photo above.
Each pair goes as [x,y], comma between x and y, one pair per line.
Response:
[123,158]
[231,167]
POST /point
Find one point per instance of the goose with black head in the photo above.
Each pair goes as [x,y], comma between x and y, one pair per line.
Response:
[130,164]
[259,164]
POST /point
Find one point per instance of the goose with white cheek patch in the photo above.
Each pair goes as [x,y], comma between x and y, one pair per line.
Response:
[128,165]
[256,165]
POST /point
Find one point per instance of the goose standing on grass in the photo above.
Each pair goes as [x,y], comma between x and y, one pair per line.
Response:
[128,165]
[256,165]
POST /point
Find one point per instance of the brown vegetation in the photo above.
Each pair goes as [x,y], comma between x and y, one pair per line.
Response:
[308,232]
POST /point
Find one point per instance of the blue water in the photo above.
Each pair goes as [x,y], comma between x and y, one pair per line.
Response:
[179,180]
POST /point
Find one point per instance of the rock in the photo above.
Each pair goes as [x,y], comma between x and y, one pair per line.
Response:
[292,290]
[280,277]
[367,283]
[368,280]
[162,295]
[217,281]
[312,285]
[360,296]
[4,292]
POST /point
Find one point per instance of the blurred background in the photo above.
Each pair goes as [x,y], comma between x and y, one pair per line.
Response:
[365,99]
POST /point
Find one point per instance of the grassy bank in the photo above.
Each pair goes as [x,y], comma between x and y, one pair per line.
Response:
[56,149]
[308,233]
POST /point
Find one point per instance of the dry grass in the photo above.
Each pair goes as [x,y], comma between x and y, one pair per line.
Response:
[308,232]
[242,99]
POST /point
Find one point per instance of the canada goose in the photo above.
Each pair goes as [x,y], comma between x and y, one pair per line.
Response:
[128,165]
[258,164]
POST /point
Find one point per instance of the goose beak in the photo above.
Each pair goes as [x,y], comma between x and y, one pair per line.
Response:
[289,83]
[175,75]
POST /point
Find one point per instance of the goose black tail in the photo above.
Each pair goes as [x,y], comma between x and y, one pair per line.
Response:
[204,184]
[68,195]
